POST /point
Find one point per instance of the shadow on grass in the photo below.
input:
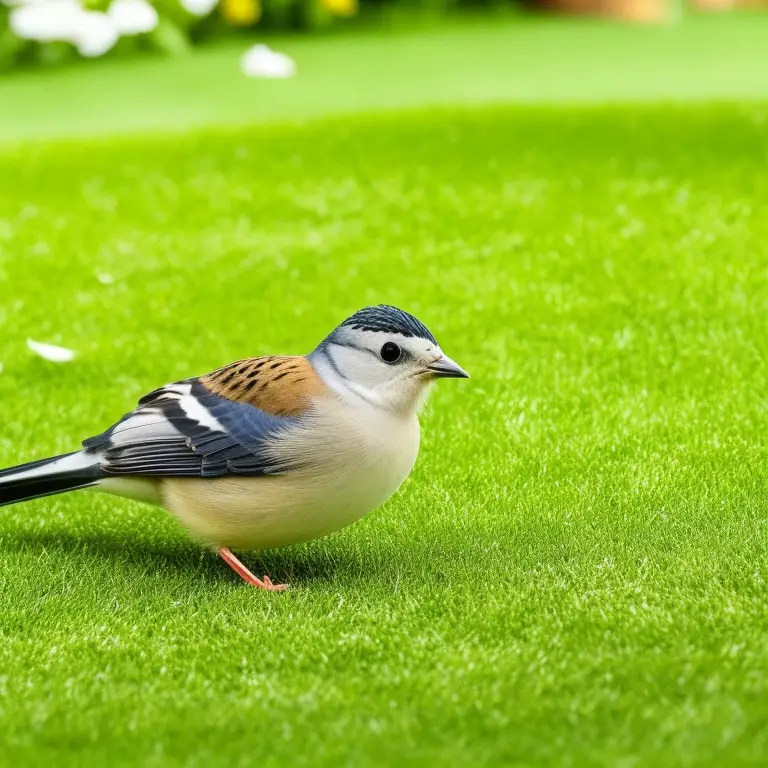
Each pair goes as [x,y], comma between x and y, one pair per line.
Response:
[300,564]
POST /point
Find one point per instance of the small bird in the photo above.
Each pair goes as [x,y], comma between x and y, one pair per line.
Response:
[267,451]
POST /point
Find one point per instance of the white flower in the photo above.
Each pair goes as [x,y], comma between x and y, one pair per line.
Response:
[51,352]
[46,21]
[92,32]
[199,7]
[132,17]
[95,34]
[262,61]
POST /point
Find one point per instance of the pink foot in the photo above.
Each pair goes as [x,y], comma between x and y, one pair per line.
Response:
[266,583]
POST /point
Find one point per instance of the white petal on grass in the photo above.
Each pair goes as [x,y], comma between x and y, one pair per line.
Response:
[199,7]
[105,278]
[51,352]
[261,61]
[132,17]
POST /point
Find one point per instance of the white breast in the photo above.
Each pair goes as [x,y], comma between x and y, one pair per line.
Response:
[357,458]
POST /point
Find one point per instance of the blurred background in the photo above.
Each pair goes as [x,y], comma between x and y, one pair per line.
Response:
[91,67]
[54,32]
[51,32]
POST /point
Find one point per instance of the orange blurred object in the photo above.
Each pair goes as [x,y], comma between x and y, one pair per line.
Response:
[727,5]
[714,5]
[647,11]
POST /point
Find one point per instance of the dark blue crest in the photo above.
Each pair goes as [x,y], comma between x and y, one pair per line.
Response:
[389,320]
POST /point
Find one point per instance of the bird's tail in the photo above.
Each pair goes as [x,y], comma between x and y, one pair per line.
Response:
[48,476]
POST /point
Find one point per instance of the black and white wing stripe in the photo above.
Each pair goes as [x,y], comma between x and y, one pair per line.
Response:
[184,430]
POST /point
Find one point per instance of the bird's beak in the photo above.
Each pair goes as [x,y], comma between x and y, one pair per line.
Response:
[445,368]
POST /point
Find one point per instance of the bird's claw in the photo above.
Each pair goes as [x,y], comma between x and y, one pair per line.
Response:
[270,587]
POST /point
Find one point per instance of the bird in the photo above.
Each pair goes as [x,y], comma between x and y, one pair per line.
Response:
[267,451]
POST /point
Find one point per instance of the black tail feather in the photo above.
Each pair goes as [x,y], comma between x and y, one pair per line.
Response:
[16,485]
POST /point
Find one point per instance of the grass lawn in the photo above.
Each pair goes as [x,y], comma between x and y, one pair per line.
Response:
[575,573]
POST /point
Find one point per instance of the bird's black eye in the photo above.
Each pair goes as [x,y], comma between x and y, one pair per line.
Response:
[390,352]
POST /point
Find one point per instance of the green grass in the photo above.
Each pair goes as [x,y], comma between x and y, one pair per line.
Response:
[477,62]
[574,574]
[576,570]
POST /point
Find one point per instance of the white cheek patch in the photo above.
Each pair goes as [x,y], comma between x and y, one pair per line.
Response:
[338,372]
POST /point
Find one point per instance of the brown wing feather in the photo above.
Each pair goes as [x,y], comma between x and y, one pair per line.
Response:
[282,386]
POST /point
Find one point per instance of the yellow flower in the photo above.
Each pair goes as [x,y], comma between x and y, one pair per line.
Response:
[340,7]
[241,13]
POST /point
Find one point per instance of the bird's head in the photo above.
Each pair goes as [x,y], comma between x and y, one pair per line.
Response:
[384,356]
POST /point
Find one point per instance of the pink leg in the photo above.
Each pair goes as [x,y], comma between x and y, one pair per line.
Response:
[231,560]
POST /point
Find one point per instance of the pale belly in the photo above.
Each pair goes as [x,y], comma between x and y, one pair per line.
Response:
[261,512]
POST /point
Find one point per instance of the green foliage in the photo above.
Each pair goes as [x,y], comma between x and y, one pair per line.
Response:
[11,46]
[312,14]
[169,38]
